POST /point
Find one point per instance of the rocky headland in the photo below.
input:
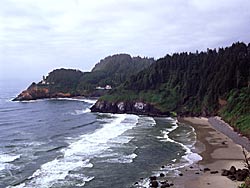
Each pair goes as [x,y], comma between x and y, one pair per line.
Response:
[35,92]
[109,73]
[129,107]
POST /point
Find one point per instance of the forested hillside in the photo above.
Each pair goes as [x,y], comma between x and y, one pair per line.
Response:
[62,80]
[112,70]
[195,84]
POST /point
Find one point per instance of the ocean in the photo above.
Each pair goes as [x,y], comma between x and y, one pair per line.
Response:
[60,143]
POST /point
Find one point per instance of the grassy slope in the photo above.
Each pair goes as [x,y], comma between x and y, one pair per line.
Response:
[237,110]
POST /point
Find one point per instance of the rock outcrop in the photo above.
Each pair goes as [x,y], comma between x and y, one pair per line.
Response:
[234,174]
[38,92]
[134,107]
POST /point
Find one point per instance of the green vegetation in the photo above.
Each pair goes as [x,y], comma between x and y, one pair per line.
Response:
[62,80]
[237,110]
[193,83]
[112,70]
[246,184]
[163,100]
[201,83]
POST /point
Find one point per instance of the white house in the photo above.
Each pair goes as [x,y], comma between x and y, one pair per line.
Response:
[108,87]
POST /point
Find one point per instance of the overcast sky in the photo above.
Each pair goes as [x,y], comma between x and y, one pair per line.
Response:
[37,36]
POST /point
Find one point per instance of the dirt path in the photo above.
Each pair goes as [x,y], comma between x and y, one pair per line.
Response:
[224,128]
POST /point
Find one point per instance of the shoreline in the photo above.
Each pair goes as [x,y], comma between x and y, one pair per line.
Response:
[218,152]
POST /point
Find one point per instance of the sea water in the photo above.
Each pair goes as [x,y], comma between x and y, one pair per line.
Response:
[60,143]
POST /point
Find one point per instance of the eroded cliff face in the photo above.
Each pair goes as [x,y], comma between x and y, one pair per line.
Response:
[36,92]
[134,107]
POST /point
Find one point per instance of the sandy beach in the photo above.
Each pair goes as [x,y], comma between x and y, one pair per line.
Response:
[218,152]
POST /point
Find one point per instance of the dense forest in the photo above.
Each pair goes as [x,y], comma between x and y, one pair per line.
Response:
[62,80]
[113,70]
[201,83]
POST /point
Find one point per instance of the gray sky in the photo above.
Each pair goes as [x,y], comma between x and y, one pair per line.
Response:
[37,36]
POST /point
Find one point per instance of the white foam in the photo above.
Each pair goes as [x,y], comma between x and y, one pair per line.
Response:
[192,157]
[2,166]
[8,158]
[172,120]
[49,173]
[81,178]
[122,159]
[31,101]
[79,153]
[79,112]
[95,143]
[5,159]
[173,160]
[173,169]
[189,157]
[166,132]
[108,154]
[90,101]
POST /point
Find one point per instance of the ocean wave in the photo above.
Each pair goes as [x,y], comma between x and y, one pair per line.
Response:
[79,112]
[29,101]
[147,121]
[49,173]
[172,169]
[121,158]
[6,159]
[189,157]
[79,153]
[165,133]
[11,109]
[98,141]
[80,126]
[89,101]
[81,179]
[55,148]
[123,139]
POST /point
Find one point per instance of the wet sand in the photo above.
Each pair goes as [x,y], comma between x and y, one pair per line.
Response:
[218,152]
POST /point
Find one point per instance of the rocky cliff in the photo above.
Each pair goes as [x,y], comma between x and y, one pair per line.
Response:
[135,107]
[37,92]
